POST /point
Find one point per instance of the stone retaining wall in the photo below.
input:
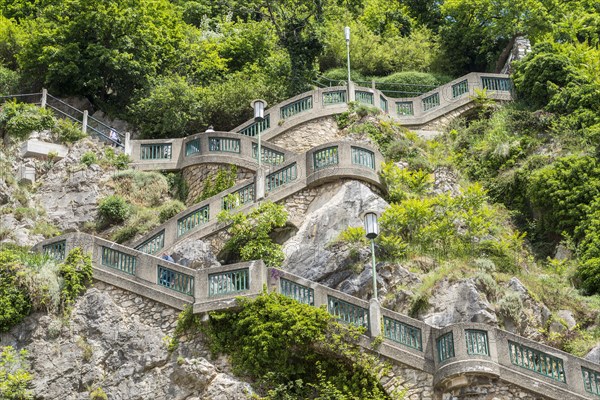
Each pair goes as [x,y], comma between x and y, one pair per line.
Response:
[196,176]
[304,137]
[484,388]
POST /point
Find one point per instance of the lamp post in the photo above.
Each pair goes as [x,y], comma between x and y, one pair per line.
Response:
[347,36]
[259,116]
[372,230]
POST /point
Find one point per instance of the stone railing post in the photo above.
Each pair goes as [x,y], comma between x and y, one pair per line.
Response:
[44,98]
[128,149]
[260,184]
[352,94]
[84,121]
[375,318]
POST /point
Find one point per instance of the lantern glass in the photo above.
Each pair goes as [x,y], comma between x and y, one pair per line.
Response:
[371,225]
[259,110]
[347,33]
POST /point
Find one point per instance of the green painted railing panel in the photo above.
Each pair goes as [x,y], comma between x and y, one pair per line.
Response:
[192,220]
[282,177]
[477,342]
[431,101]
[336,97]
[348,312]
[300,293]
[192,147]
[154,244]
[363,157]
[56,250]
[229,282]
[256,127]
[159,151]
[297,107]
[364,97]
[176,281]
[445,346]
[223,145]
[536,361]
[405,108]
[269,156]
[244,195]
[402,333]
[496,84]
[460,88]
[383,104]
[591,381]
[118,260]
[325,157]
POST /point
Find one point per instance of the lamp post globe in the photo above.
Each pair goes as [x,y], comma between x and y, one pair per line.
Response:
[259,116]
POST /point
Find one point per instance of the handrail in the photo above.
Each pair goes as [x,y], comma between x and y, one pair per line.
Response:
[461,349]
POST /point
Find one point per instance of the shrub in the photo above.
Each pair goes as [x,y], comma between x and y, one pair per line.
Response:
[250,234]
[9,81]
[125,233]
[14,374]
[98,394]
[410,83]
[14,299]
[20,119]
[170,209]
[142,188]
[215,184]
[113,209]
[511,306]
[67,131]
[89,158]
[77,273]
[277,340]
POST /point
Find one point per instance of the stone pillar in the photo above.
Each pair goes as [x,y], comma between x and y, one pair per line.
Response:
[375,318]
[351,95]
[44,98]
[84,121]
[128,143]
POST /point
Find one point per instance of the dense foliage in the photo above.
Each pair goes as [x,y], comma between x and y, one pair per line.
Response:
[250,232]
[14,377]
[35,282]
[295,351]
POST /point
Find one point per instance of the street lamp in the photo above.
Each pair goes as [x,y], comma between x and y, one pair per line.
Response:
[347,36]
[372,230]
[259,117]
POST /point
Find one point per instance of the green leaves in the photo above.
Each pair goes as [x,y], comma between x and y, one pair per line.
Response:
[14,374]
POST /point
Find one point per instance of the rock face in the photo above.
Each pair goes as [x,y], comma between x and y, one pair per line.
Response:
[309,253]
[116,342]
[194,254]
[70,191]
[459,302]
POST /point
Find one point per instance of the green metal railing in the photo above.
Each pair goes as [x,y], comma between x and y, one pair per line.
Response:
[477,342]
[224,145]
[445,346]
[536,361]
[256,127]
[192,220]
[363,157]
[496,84]
[192,147]
[348,312]
[300,293]
[282,177]
[336,97]
[296,107]
[228,282]
[460,88]
[160,151]
[154,244]
[56,250]
[242,196]
[118,260]
[402,333]
[405,108]
[591,381]
[325,157]
[176,281]
[364,97]
[269,156]
[383,104]
[431,101]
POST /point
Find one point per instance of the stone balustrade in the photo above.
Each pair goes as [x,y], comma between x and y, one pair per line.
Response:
[331,161]
[451,354]
[412,112]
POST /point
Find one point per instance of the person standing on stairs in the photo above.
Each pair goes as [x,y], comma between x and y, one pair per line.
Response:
[114,136]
